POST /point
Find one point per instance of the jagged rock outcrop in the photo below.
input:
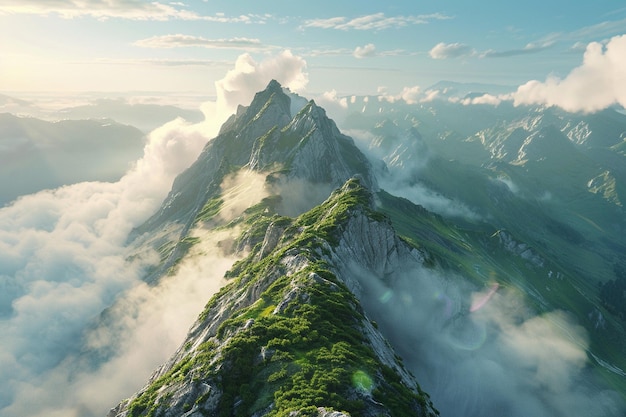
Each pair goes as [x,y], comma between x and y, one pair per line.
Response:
[520,249]
[312,148]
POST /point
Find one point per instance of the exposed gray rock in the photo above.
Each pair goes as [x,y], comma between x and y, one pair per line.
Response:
[373,245]
[272,237]
[520,249]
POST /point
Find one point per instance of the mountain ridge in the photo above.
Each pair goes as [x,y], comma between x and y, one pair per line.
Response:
[290,283]
[307,148]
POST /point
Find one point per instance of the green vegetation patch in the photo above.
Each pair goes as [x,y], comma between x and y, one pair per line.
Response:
[312,353]
[210,210]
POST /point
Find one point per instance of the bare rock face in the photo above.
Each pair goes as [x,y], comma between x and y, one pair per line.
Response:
[311,148]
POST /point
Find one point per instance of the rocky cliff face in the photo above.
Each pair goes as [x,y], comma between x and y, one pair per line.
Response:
[288,336]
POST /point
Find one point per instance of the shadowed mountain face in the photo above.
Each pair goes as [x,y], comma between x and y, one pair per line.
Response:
[348,292]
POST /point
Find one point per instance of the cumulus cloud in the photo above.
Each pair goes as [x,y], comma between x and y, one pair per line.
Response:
[431,95]
[410,95]
[249,76]
[336,106]
[483,99]
[64,261]
[450,50]
[142,315]
[181,41]
[483,352]
[368,50]
[595,85]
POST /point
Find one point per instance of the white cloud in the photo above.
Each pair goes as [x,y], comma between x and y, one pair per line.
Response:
[596,84]
[410,95]
[336,107]
[248,77]
[603,29]
[166,62]
[450,50]
[484,99]
[64,260]
[377,21]
[368,50]
[123,9]
[181,41]
[456,50]
[494,359]
[329,52]
[530,48]
[431,95]
[578,47]
[359,52]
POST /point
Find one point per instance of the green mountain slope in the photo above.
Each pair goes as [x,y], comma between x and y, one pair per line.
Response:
[287,336]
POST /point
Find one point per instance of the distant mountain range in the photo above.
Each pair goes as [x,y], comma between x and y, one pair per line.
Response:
[141,115]
[37,155]
[461,90]
[144,116]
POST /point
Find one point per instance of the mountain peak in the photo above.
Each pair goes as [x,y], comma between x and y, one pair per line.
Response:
[265,138]
[274,85]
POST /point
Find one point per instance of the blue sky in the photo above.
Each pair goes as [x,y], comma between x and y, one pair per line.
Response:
[352,47]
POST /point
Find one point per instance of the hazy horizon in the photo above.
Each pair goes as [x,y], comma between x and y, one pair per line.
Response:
[393,47]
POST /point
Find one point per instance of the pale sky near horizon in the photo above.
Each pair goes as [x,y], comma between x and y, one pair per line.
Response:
[351,47]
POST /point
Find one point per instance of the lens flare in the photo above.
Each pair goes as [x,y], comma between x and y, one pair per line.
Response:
[445,302]
[362,382]
[480,302]
[387,295]
[467,334]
